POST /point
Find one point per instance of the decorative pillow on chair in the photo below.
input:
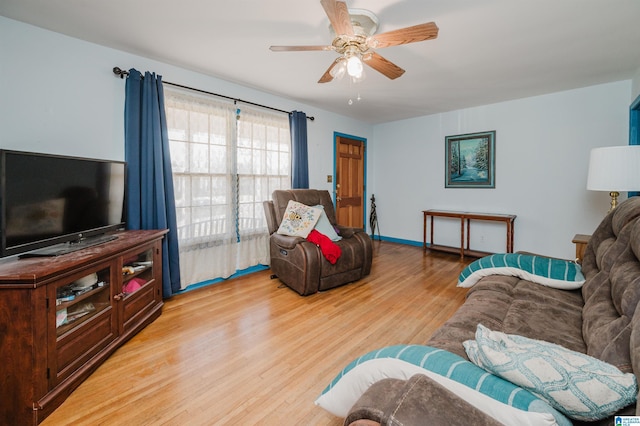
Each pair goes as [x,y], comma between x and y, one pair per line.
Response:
[580,386]
[299,219]
[325,227]
[551,272]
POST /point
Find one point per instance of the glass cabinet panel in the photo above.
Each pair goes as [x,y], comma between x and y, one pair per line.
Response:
[137,271]
[82,299]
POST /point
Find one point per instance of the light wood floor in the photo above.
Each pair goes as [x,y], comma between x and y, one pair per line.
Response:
[248,352]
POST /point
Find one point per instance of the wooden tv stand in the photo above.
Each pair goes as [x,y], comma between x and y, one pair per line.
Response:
[53,334]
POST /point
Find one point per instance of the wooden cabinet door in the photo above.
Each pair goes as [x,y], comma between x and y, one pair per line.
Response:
[141,286]
[83,326]
[350,181]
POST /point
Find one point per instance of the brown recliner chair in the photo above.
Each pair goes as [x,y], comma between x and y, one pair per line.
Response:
[299,263]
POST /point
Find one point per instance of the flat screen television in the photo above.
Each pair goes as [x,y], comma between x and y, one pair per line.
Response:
[54,204]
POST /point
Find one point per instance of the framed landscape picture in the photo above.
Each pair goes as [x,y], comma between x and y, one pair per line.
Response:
[470,160]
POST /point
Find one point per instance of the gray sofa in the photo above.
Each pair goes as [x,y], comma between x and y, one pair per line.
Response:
[602,319]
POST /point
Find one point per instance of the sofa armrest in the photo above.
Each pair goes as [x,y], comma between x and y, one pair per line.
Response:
[286,241]
[418,400]
[347,232]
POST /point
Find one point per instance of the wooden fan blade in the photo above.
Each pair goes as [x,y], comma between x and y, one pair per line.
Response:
[339,17]
[332,73]
[298,48]
[419,32]
[327,77]
[382,65]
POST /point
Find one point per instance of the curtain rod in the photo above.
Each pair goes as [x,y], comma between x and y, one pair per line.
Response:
[120,72]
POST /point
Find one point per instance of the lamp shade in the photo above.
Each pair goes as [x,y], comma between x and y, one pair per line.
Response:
[614,168]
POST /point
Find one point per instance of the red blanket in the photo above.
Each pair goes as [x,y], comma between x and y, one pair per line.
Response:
[330,250]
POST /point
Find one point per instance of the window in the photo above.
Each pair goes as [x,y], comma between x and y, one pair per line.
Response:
[226,161]
[263,165]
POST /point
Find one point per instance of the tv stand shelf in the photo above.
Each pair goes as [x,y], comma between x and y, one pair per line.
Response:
[62,316]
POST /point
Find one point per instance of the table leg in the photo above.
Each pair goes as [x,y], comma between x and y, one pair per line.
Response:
[462,237]
[424,232]
[510,237]
[431,240]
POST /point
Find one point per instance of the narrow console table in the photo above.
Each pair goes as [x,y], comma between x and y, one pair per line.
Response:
[508,219]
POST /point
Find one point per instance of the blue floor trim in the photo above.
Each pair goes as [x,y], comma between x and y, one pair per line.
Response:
[399,241]
[249,270]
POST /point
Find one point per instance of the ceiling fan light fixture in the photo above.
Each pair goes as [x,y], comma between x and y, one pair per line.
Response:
[354,66]
[354,41]
[359,78]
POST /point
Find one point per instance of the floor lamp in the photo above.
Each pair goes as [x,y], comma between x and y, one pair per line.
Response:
[614,169]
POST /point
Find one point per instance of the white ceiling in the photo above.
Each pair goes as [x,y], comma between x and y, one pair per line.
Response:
[487,51]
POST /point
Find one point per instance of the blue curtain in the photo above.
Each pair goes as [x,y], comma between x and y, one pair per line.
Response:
[634,132]
[299,155]
[150,197]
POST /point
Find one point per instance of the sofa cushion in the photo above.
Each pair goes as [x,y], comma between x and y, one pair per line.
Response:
[543,270]
[580,386]
[516,306]
[545,314]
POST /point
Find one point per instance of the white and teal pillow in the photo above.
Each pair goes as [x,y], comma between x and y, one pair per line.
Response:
[354,379]
[551,272]
[580,386]
[344,394]
[299,219]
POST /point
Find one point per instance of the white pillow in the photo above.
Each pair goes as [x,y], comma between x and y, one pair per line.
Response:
[299,219]
[356,381]
[580,386]
[325,227]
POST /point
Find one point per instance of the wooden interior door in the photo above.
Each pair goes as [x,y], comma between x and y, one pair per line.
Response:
[350,158]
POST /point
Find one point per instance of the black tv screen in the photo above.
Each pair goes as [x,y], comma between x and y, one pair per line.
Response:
[51,199]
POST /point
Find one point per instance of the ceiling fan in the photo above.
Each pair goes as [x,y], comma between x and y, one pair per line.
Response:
[355,40]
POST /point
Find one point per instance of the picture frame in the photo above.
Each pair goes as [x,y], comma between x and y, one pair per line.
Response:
[470,160]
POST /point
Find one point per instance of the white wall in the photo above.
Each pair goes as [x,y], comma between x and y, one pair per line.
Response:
[542,152]
[59,95]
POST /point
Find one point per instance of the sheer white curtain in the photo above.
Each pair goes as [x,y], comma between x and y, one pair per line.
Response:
[226,160]
[263,165]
